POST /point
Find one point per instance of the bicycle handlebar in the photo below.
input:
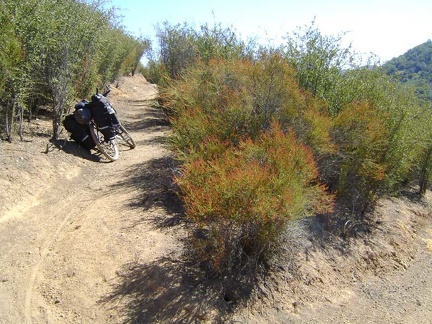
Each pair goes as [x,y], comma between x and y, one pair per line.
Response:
[108,90]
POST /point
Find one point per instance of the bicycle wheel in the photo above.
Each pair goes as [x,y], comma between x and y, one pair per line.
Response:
[126,137]
[108,149]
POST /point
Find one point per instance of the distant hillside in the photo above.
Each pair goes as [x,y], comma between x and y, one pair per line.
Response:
[414,67]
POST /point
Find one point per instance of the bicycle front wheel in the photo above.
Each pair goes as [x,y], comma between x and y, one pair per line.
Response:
[108,148]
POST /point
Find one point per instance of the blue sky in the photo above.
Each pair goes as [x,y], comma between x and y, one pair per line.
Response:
[383,27]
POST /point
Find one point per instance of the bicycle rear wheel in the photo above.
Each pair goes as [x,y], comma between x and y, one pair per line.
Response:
[126,137]
[108,148]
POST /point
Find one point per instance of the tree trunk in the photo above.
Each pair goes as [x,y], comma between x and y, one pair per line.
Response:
[21,118]
[10,114]
[424,173]
[56,121]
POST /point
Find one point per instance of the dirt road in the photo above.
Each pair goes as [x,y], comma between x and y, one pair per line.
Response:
[68,226]
[82,241]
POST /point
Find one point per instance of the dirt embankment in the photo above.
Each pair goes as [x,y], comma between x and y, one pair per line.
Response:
[88,242]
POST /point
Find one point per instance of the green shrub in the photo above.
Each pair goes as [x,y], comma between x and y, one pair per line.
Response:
[319,61]
[376,133]
[210,103]
[181,46]
[278,96]
[361,138]
[233,100]
[155,73]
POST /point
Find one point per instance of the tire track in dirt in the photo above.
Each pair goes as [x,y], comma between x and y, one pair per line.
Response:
[69,211]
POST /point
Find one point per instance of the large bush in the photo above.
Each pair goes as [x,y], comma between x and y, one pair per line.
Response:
[245,196]
[247,135]
[375,122]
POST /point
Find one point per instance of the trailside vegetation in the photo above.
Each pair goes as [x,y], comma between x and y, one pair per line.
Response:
[267,135]
[52,52]
[414,69]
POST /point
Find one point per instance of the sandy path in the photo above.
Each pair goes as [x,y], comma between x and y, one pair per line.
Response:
[61,250]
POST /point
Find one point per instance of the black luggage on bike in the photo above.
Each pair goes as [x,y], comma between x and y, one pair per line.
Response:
[82,112]
[79,133]
[103,115]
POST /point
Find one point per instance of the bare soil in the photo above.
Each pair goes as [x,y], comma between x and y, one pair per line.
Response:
[86,241]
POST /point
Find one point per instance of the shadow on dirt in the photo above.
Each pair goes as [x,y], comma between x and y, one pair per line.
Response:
[70,147]
[156,140]
[152,118]
[154,180]
[141,102]
[167,291]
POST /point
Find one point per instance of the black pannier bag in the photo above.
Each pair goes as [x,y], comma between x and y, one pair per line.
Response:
[79,133]
[104,115]
[82,112]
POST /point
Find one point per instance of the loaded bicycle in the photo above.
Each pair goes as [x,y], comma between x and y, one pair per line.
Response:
[95,125]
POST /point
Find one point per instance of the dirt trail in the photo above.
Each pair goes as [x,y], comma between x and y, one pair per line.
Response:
[64,241]
[89,242]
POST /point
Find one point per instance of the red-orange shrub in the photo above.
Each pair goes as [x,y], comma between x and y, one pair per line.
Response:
[245,196]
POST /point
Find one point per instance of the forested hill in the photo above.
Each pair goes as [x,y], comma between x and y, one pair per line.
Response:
[414,67]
